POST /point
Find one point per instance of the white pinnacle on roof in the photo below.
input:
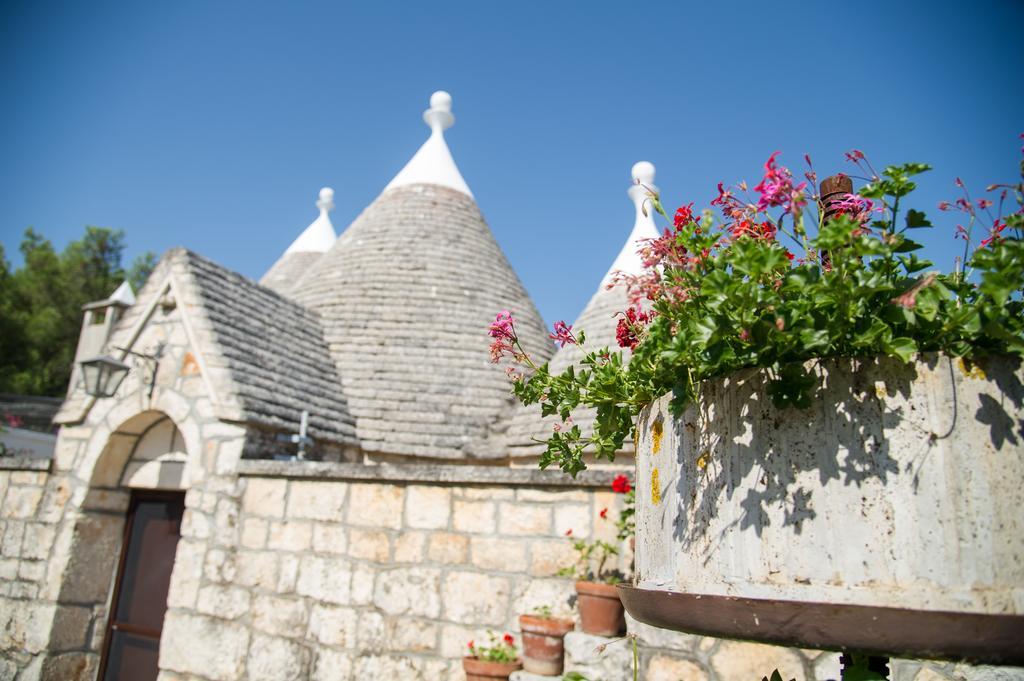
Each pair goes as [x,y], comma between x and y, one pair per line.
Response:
[122,295]
[319,236]
[433,163]
[628,260]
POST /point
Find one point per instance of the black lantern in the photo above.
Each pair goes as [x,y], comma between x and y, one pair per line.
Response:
[102,375]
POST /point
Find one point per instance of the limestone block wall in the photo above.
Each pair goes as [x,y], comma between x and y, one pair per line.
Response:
[26,534]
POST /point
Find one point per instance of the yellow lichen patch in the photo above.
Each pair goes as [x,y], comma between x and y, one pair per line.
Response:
[880,391]
[655,488]
[702,460]
[970,370]
[657,432]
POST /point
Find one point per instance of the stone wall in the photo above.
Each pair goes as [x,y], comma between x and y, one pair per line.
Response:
[26,534]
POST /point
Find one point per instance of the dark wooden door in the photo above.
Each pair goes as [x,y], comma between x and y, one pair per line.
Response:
[132,643]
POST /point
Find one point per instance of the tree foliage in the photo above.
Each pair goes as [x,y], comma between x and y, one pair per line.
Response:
[41,304]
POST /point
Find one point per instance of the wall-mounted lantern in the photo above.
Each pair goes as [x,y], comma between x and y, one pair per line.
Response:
[103,375]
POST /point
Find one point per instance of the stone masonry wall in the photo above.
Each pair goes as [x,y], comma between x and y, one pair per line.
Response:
[26,533]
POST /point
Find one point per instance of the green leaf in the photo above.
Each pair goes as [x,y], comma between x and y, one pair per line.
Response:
[904,348]
[917,219]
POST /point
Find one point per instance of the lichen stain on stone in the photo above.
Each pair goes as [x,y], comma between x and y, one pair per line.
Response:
[655,488]
[657,433]
[702,460]
[880,391]
[970,370]
[189,365]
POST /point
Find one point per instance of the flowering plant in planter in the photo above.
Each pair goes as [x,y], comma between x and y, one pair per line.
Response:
[785,276]
[499,650]
[626,524]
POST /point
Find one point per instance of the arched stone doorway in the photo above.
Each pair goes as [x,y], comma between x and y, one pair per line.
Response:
[122,551]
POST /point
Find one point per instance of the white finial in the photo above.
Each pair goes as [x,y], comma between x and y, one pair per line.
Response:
[643,186]
[433,163]
[643,172]
[628,261]
[439,115]
[326,202]
[319,236]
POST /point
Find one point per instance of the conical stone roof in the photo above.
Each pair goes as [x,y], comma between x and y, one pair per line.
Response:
[307,248]
[405,297]
[599,321]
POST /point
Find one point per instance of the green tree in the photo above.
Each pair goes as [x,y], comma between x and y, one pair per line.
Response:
[41,305]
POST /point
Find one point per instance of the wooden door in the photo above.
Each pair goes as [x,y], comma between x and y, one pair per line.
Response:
[132,642]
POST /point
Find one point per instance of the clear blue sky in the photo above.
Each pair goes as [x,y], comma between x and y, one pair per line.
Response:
[213,124]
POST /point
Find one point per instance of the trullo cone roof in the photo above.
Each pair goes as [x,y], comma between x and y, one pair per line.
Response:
[405,296]
[598,320]
[303,253]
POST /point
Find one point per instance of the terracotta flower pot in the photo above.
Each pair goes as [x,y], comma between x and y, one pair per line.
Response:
[543,648]
[601,611]
[482,670]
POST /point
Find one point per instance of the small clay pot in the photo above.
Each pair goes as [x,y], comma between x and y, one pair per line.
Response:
[543,647]
[482,670]
[601,611]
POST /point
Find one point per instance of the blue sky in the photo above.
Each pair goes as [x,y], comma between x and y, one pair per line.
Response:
[213,124]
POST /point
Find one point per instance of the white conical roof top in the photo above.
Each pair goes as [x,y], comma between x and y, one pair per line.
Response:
[319,236]
[433,163]
[599,320]
[628,261]
[123,295]
[314,241]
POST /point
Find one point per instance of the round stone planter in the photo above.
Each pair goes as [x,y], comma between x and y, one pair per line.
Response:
[482,670]
[601,611]
[543,644]
[886,517]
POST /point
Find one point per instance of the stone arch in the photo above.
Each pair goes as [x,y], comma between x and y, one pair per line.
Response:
[147,450]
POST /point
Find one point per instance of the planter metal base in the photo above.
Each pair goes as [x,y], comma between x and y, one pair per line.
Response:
[895,632]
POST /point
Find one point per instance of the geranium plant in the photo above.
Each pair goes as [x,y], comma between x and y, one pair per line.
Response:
[626,524]
[775,278]
[499,650]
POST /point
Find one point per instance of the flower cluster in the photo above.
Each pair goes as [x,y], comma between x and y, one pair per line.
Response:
[781,280]
[630,328]
[499,650]
[563,334]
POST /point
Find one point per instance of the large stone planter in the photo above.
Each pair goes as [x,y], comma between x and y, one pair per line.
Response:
[888,517]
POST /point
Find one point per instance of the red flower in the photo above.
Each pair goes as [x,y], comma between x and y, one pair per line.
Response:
[568,533]
[604,512]
[684,215]
[471,645]
[621,484]
[509,640]
[630,327]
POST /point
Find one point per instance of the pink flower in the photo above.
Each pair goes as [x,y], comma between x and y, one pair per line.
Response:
[13,421]
[993,234]
[908,299]
[744,335]
[563,334]
[854,155]
[568,533]
[777,189]
[944,205]
[502,327]
[620,484]
[854,205]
